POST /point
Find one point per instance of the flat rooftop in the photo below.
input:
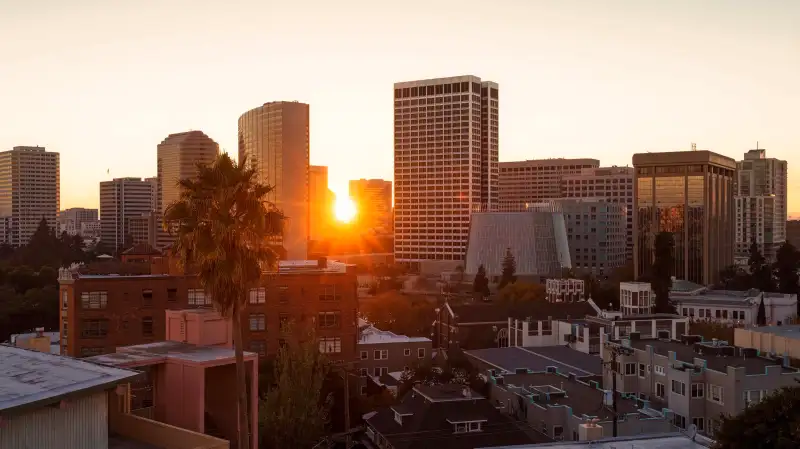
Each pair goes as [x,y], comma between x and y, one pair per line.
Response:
[372,335]
[686,353]
[655,441]
[160,351]
[566,360]
[791,331]
[36,379]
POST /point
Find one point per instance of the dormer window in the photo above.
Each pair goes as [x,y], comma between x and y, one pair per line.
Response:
[467,426]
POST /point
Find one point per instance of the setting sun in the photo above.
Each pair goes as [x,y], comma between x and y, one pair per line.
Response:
[345,209]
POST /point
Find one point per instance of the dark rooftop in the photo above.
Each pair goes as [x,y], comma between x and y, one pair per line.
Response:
[142,249]
[566,360]
[536,310]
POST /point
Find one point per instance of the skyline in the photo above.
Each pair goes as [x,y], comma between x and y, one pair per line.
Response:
[103,84]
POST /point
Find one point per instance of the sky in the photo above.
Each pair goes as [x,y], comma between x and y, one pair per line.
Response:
[104,81]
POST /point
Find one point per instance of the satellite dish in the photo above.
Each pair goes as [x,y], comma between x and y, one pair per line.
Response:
[691,431]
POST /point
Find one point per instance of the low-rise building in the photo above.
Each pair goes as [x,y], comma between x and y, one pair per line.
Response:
[563,360]
[384,356]
[778,340]
[636,298]
[38,341]
[673,440]
[565,290]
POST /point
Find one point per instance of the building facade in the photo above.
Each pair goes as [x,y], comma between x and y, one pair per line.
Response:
[534,180]
[565,290]
[609,184]
[73,217]
[383,353]
[123,204]
[320,203]
[636,298]
[275,140]
[178,156]
[445,165]
[761,204]
[597,234]
[30,189]
[690,195]
[373,200]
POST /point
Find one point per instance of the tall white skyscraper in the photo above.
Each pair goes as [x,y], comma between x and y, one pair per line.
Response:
[445,166]
[29,191]
[123,203]
[761,209]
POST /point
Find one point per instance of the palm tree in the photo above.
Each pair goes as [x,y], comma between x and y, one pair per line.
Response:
[222,223]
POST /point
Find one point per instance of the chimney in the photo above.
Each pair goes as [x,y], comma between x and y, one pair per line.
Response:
[39,331]
[590,431]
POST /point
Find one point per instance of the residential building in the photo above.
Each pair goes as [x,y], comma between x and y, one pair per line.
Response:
[38,341]
[90,230]
[597,439]
[561,406]
[53,402]
[557,358]
[124,202]
[688,194]
[761,203]
[610,184]
[596,234]
[274,138]
[182,376]
[538,179]
[373,200]
[731,307]
[384,356]
[445,417]
[697,380]
[445,166]
[29,191]
[536,238]
[779,340]
[142,229]
[177,158]
[102,311]
[636,298]
[320,203]
[565,290]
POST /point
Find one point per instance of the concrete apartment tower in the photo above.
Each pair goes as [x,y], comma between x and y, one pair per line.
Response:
[126,203]
[320,203]
[29,191]
[690,194]
[178,156]
[373,199]
[761,204]
[275,139]
[445,166]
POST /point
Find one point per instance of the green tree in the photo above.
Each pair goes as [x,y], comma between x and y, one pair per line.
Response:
[292,414]
[42,249]
[773,423]
[761,317]
[509,270]
[733,278]
[760,272]
[222,221]
[521,292]
[661,272]
[481,282]
[402,314]
[786,267]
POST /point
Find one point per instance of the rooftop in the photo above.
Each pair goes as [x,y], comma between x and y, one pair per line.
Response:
[565,360]
[35,379]
[55,340]
[150,353]
[371,335]
[536,310]
[791,331]
[665,441]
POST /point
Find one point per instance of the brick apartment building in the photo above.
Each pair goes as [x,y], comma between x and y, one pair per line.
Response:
[124,304]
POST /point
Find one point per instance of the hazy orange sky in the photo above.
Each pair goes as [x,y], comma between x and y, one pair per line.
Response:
[104,81]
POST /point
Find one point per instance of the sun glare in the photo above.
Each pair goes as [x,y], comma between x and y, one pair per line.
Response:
[345,210]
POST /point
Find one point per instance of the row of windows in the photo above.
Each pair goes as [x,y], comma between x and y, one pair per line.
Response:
[325,320]
[383,354]
[98,328]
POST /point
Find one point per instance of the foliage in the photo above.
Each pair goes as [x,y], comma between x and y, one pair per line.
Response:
[786,267]
[292,413]
[661,272]
[521,292]
[760,271]
[222,222]
[509,270]
[481,282]
[761,318]
[734,278]
[772,423]
[402,314]
[454,371]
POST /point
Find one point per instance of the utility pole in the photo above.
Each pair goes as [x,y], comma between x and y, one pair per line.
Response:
[616,350]
[346,370]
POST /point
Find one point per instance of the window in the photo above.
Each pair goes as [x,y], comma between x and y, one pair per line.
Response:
[679,388]
[94,328]
[88,351]
[147,298]
[715,393]
[381,354]
[699,423]
[698,390]
[283,322]
[258,295]
[407,352]
[198,298]
[679,421]
[283,294]
[630,369]
[328,293]
[147,326]
[641,370]
[330,345]
[713,426]
[258,322]
[754,396]
[420,353]
[558,433]
[328,319]
[380,371]
[659,390]
[172,294]
[464,427]
[64,299]
[94,300]
[364,355]
[659,370]
[363,372]
[363,390]
[259,347]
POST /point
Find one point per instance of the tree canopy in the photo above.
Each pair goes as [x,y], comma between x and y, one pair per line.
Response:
[773,423]
[521,292]
[402,314]
[760,271]
[662,271]
[481,282]
[508,275]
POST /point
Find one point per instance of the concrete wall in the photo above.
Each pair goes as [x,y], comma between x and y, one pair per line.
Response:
[221,404]
[536,334]
[767,342]
[160,434]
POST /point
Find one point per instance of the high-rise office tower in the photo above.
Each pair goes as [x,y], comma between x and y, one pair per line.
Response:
[275,139]
[688,194]
[178,156]
[124,204]
[445,166]
[320,203]
[29,191]
[153,180]
[373,199]
[538,179]
[761,204]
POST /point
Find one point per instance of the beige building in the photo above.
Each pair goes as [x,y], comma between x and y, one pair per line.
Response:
[539,179]
[29,191]
[178,156]
[320,203]
[445,165]
[123,204]
[761,209]
[275,139]
[373,199]
[690,194]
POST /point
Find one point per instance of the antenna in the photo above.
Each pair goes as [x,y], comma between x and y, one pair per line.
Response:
[694,146]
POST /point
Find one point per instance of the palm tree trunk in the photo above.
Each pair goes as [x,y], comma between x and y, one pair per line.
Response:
[241,379]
